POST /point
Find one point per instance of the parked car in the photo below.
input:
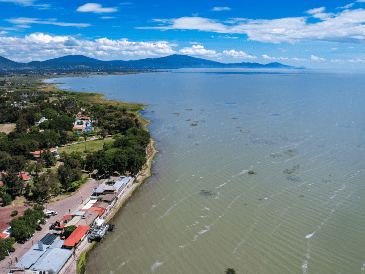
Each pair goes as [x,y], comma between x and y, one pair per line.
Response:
[39,228]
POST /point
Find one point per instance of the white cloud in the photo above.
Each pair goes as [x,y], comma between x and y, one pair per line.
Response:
[334,48]
[95,8]
[27,3]
[40,46]
[3,32]
[24,22]
[283,58]
[360,1]
[345,26]
[107,17]
[315,58]
[274,58]
[194,43]
[357,60]
[220,8]
[317,10]
[199,50]
[20,2]
[238,54]
[347,6]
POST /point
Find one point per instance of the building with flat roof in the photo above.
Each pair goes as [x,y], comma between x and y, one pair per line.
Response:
[54,258]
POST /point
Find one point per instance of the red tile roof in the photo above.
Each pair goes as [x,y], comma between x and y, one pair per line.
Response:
[4,235]
[99,210]
[25,177]
[76,235]
[1,183]
[41,151]
[85,117]
[78,127]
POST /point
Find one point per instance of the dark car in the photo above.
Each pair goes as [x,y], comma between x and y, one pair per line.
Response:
[39,228]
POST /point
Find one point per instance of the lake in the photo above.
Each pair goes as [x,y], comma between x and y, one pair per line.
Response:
[302,211]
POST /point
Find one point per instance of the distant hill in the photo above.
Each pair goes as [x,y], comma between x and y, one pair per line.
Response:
[80,62]
[7,64]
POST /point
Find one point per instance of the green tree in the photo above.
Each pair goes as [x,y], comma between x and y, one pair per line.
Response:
[14,184]
[68,230]
[49,159]
[6,199]
[43,186]
[50,113]
[6,246]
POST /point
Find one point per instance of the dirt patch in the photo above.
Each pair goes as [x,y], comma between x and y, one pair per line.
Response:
[7,128]
[5,215]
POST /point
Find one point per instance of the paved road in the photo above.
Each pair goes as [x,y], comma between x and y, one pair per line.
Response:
[63,208]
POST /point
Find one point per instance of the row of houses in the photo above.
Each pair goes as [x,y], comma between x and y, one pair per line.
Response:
[52,252]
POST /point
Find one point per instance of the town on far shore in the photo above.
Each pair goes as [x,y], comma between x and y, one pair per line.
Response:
[68,161]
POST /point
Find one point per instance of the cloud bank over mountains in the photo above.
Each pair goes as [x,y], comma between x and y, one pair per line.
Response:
[344,26]
[317,36]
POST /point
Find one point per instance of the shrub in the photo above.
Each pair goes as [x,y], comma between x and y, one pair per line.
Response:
[14,213]
[6,199]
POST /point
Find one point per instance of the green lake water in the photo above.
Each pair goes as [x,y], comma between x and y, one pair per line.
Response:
[301,132]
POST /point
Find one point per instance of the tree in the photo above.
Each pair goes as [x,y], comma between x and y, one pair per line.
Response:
[14,184]
[6,199]
[43,186]
[24,226]
[68,230]
[50,113]
[6,246]
[49,158]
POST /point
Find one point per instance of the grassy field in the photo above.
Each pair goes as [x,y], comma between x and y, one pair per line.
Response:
[90,146]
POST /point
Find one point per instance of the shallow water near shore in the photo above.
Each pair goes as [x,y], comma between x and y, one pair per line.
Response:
[302,211]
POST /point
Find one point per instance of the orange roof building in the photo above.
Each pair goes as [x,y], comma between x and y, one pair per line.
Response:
[76,236]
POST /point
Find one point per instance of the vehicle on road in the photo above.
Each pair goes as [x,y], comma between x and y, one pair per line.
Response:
[50,213]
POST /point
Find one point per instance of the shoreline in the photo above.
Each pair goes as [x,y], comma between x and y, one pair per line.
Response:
[78,260]
[146,172]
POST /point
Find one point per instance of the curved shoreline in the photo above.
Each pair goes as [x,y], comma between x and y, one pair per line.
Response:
[80,253]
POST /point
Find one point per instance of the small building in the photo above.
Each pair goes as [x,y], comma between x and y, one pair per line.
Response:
[88,217]
[6,233]
[76,236]
[108,198]
[60,224]
[37,153]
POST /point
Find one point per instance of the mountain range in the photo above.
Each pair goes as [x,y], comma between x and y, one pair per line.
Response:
[80,62]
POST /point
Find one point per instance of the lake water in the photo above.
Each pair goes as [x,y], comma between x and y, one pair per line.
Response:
[301,132]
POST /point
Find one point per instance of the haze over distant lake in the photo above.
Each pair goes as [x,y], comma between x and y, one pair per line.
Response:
[301,132]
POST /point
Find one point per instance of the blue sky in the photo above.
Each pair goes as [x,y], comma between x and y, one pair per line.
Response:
[313,34]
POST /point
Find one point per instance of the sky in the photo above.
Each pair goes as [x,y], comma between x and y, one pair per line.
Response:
[312,34]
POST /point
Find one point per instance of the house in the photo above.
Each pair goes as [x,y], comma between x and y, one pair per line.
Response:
[6,233]
[43,119]
[60,224]
[76,236]
[88,218]
[37,153]
[108,198]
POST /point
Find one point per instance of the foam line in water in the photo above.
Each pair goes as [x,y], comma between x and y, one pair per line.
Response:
[310,235]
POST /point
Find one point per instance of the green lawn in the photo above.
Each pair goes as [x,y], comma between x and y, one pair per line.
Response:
[90,146]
